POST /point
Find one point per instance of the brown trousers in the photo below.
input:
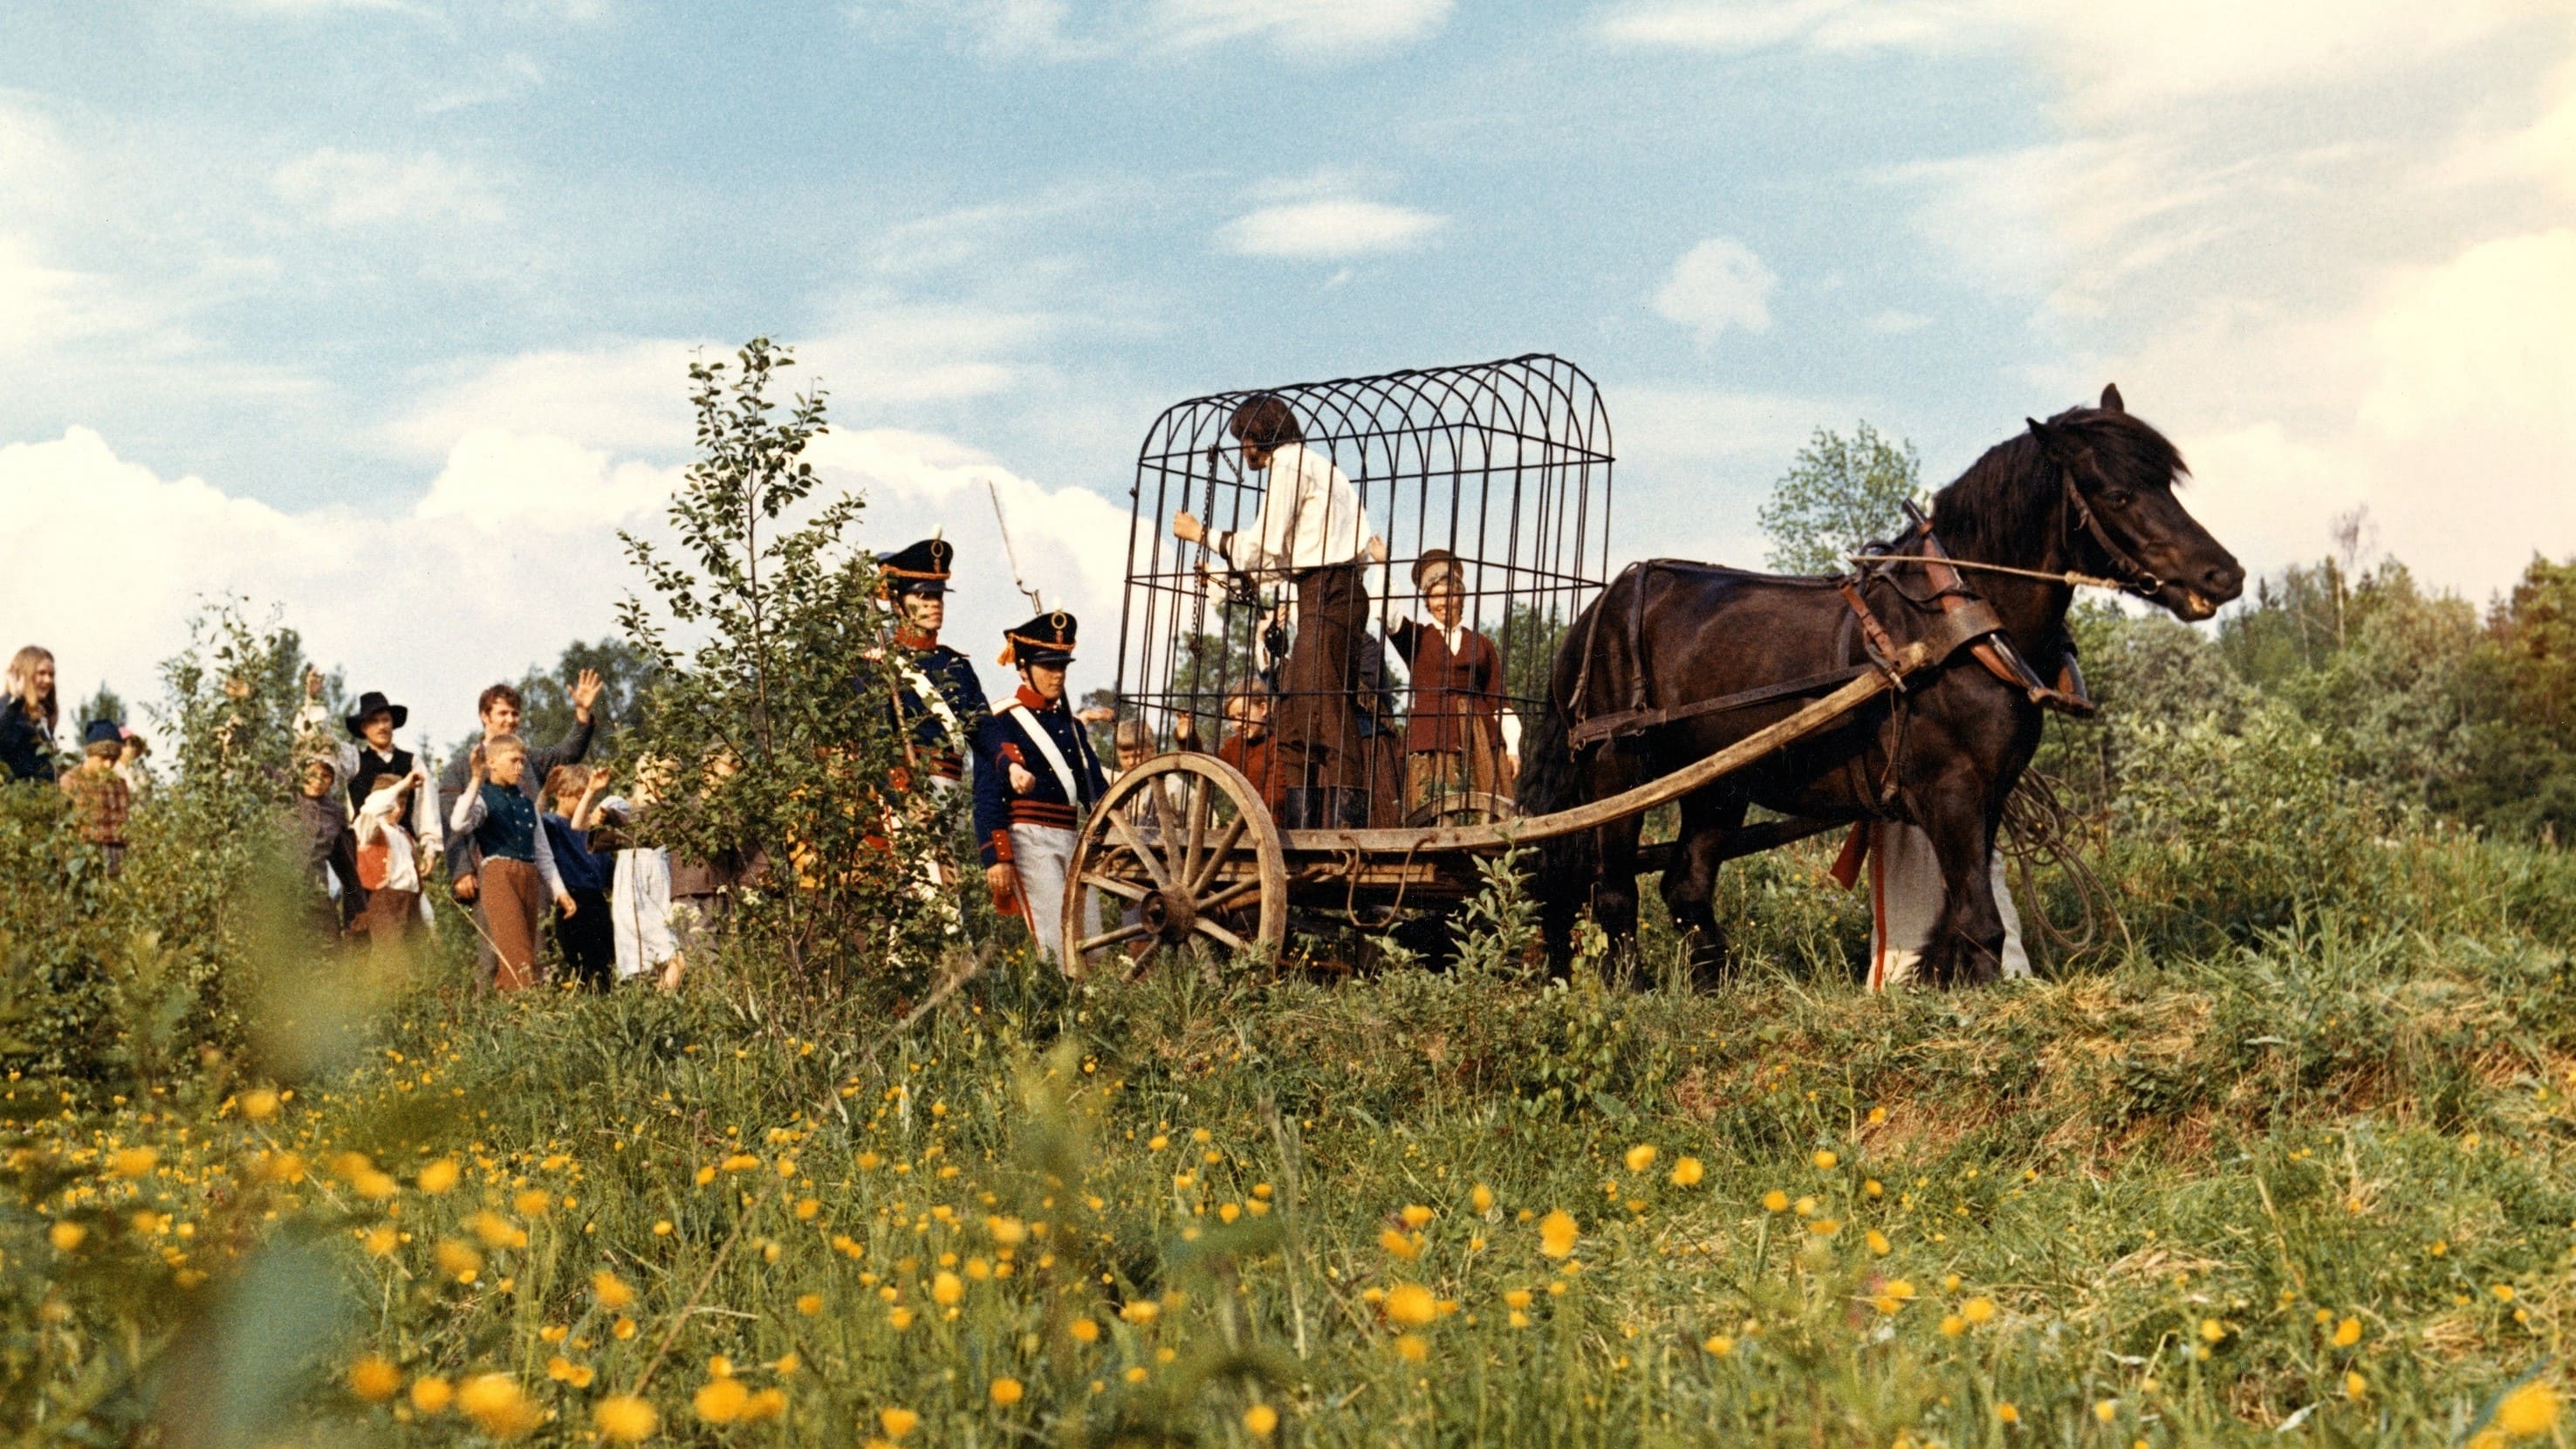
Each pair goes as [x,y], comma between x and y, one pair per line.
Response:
[387,920]
[510,898]
[1317,723]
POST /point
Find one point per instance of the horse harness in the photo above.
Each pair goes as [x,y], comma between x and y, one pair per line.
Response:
[1965,621]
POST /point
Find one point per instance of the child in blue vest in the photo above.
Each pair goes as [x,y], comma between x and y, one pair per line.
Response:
[518,873]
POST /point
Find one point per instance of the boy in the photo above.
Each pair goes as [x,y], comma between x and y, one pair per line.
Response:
[517,865]
[99,794]
[589,946]
[1034,772]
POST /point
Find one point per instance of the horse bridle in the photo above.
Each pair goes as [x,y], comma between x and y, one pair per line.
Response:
[2136,577]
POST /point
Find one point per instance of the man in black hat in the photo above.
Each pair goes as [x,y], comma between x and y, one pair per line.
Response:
[1034,774]
[370,751]
[938,703]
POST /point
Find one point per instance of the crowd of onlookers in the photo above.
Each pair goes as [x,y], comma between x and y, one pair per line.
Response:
[519,831]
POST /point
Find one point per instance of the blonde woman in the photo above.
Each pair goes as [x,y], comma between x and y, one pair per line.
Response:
[28,714]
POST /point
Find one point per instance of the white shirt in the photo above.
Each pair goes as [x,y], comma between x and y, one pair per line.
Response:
[1310,517]
[402,871]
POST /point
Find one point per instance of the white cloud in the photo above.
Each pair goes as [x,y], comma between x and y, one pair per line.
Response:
[631,396]
[509,554]
[1743,25]
[1323,230]
[1310,29]
[1718,284]
[358,188]
[1896,319]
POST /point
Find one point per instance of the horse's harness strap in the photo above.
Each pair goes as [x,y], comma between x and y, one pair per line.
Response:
[1633,721]
[1993,648]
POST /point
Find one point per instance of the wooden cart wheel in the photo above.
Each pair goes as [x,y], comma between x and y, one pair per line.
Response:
[1179,845]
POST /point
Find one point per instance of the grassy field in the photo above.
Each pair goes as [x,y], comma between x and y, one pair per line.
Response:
[2312,1186]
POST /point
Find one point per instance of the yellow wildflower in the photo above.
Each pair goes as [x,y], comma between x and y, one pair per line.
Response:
[1411,1348]
[897,1422]
[1481,1198]
[1557,1232]
[497,1405]
[721,1400]
[430,1394]
[946,1289]
[625,1419]
[1006,1392]
[1084,1331]
[1687,1172]
[374,1379]
[1719,1344]
[1978,1311]
[2528,1412]
[259,1105]
[1877,1241]
[1410,1305]
[611,1291]
[2347,1333]
[2354,1385]
[1260,1421]
[66,1237]
[1398,1245]
[437,1177]
[1641,1157]
[809,1304]
[133,1161]
[2007,1413]
[457,1260]
[1824,1161]
[1775,1201]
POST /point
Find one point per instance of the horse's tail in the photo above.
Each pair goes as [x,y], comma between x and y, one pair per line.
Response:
[1550,782]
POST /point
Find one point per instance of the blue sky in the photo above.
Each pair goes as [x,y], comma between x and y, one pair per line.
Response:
[312,299]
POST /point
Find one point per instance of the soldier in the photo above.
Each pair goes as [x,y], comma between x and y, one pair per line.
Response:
[938,702]
[1034,773]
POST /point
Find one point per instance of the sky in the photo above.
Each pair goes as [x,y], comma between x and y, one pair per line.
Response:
[378,312]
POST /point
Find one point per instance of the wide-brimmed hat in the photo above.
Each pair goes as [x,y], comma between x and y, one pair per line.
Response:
[374,702]
[1046,639]
[920,569]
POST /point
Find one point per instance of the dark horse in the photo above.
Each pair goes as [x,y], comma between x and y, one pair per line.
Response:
[2090,491]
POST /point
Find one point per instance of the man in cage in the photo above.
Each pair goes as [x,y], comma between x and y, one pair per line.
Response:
[1453,737]
[1035,774]
[1312,535]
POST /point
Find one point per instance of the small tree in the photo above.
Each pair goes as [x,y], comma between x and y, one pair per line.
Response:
[773,722]
[1839,494]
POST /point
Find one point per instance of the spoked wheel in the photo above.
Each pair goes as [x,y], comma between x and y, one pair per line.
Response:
[1181,846]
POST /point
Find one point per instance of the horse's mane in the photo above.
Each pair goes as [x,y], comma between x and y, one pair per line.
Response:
[2000,507]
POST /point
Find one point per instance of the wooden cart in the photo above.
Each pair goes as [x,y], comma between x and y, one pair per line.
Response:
[1503,465]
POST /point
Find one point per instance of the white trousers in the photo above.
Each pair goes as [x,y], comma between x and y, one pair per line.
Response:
[639,912]
[1042,855]
[1905,898]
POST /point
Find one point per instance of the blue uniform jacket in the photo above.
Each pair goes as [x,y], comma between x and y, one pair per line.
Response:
[1003,742]
[949,673]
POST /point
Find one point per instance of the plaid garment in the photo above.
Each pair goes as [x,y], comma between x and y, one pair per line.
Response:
[103,801]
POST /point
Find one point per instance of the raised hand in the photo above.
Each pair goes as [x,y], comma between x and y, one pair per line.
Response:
[585,692]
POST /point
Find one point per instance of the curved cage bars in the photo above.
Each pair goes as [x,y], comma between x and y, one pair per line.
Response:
[1505,464]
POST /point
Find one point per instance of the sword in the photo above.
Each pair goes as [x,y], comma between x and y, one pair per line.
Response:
[1008,552]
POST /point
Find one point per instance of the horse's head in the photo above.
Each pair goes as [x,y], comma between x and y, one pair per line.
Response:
[2121,474]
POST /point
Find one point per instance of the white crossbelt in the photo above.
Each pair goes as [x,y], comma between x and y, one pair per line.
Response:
[1028,723]
[937,702]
